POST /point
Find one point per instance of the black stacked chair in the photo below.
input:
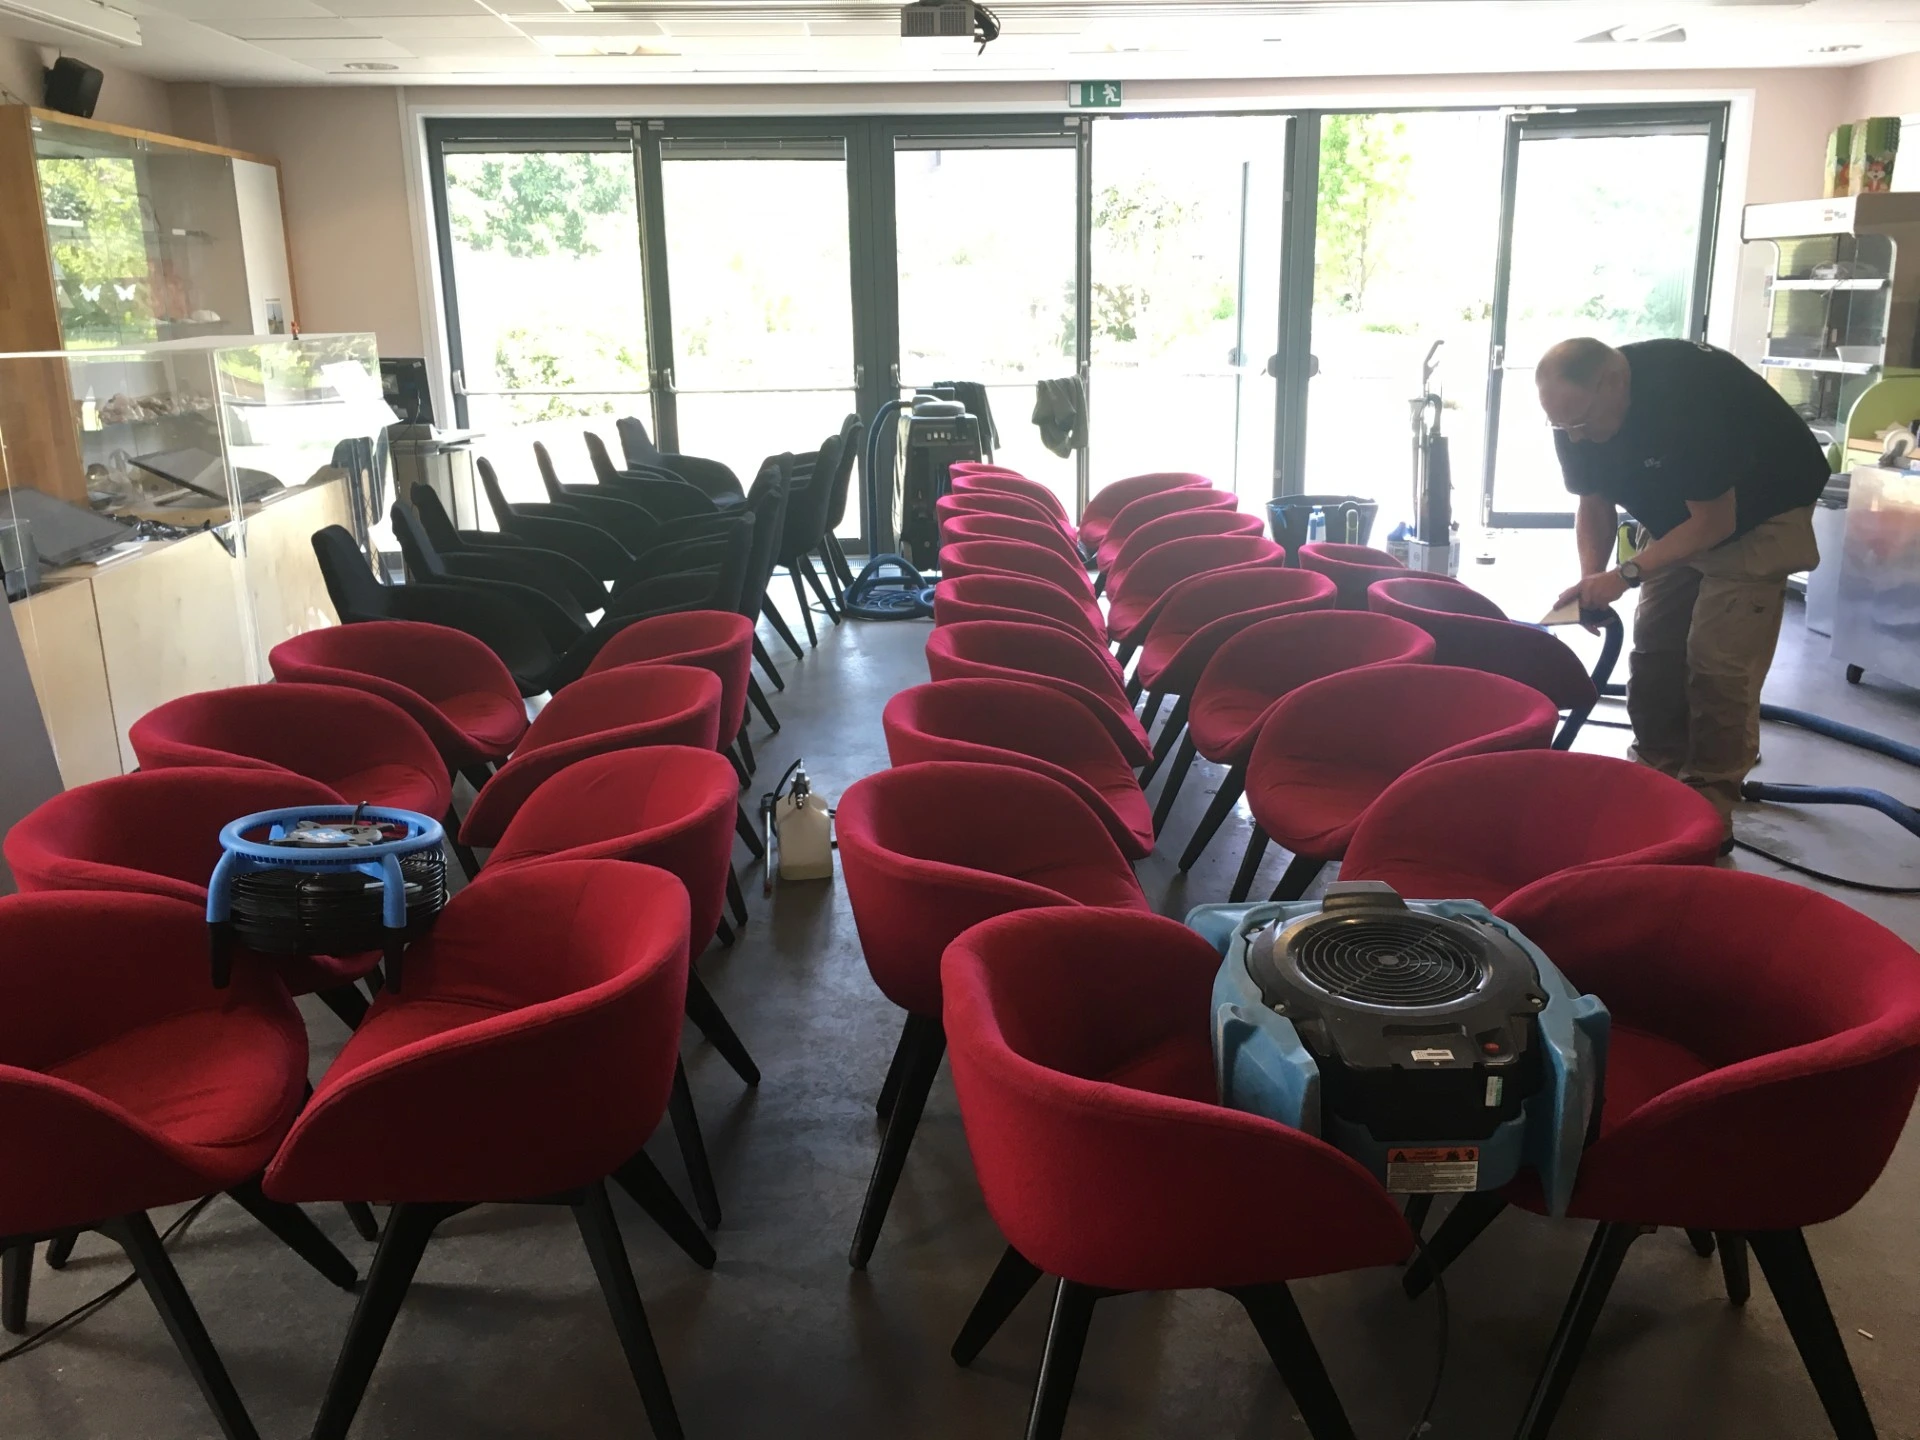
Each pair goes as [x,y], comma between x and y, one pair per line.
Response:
[552,607]
[553,567]
[711,477]
[806,522]
[767,502]
[625,519]
[852,433]
[615,508]
[556,527]
[662,491]
[495,621]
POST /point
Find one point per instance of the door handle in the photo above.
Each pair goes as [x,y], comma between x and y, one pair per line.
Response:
[459,382]
[1499,359]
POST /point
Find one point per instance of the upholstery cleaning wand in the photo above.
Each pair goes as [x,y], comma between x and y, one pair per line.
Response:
[1432,542]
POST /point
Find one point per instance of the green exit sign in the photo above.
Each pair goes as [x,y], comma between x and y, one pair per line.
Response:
[1094,95]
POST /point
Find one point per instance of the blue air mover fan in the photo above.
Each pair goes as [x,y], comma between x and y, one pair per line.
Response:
[1429,1040]
[326,880]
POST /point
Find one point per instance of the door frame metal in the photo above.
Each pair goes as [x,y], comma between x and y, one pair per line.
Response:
[1625,120]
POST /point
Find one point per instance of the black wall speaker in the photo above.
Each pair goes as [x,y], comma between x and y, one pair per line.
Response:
[73,87]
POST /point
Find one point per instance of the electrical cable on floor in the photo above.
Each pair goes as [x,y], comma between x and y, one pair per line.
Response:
[1813,874]
[106,1297]
[1440,1345]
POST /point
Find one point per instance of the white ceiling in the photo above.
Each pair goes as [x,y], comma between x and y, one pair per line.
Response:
[622,41]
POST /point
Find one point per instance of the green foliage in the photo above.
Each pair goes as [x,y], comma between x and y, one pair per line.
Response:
[1134,226]
[535,204]
[547,359]
[1364,163]
[99,246]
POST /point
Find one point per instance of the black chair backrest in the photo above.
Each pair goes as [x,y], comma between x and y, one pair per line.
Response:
[434,519]
[548,475]
[422,557]
[635,443]
[356,595]
[496,497]
[767,503]
[730,580]
[851,436]
[807,505]
[604,470]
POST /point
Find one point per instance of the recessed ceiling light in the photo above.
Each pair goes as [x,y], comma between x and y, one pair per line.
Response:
[368,65]
[1637,35]
[1833,49]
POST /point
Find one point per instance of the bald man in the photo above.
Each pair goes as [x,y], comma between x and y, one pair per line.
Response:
[1721,475]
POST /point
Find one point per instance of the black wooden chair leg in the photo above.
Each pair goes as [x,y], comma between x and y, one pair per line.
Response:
[600,1233]
[1790,1273]
[348,1001]
[1294,1355]
[890,1087]
[364,1225]
[922,1063]
[705,1012]
[1125,653]
[723,932]
[1733,1265]
[693,1149]
[1060,1363]
[759,699]
[743,827]
[295,1229]
[739,766]
[1419,1207]
[1702,1242]
[813,580]
[135,1234]
[1151,710]
[806,607]
[1224,799]
[643,1181]
[766,664]
[1174,730]
[1301,871]
[838,555]
[1135,685]
[60,1250]
[1176,777]
[1589,1297]
[1249,865]
[780,627]
[1470,1215]
[1012,1279]
[469,862]
[409,1228]
[16,1283]
[746,749]
[736,899]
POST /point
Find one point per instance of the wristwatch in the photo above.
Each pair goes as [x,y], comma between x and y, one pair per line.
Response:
[1630,572]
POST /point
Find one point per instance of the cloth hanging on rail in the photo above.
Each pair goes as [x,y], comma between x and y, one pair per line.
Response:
[1060,410]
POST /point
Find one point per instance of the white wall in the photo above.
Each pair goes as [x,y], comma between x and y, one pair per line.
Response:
[1887,87]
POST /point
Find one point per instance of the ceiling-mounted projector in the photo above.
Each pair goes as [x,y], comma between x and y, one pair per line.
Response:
[949,19]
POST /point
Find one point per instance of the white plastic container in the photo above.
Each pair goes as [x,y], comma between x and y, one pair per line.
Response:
[803,831]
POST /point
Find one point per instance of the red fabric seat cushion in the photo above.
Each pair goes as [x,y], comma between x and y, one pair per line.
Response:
[1134,600]
[1045,656]
[1110,499]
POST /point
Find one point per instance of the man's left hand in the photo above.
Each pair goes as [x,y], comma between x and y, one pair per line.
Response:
[1596,592]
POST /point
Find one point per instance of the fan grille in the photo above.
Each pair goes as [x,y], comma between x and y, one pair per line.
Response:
[1397,961]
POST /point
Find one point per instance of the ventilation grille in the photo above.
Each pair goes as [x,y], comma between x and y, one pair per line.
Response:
[1400,962]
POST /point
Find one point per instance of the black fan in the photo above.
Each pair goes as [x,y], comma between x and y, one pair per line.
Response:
[1401,961]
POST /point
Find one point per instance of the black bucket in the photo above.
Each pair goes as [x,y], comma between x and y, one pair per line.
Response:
[1349,519]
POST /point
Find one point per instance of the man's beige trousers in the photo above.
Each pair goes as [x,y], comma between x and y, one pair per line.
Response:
[1703,638]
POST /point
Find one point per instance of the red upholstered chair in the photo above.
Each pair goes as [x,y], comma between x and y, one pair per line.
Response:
[1016,557]
[1109,500]
[1727,1035]
[530,1057]
[127,1083]
[1484,826]
[358,745]
[1149,508]
[453,686]
[1199,616]
[619,709]
[716,640]
[1007,483]
[1178,526]
[671,807]
[1043,655]
[1001,502]
[1017,598]
[1016,589]
[1010,722]
[1133,602]
[1255,669]
[959,527]
[1083,1064]
[1328,749]
[1353,568]
[1469,629]
[157,832]
[929,850]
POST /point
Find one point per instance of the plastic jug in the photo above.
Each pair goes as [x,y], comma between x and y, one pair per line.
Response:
[804,832]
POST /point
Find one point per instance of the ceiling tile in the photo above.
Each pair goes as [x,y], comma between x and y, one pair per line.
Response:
[331,27]
[517,45]
[217,11]
[440,27]
[351,49]
[406,7]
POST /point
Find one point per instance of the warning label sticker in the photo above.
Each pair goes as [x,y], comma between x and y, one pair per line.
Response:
[1433,1170]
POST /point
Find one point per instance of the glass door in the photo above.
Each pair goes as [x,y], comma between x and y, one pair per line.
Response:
[546,297]
[1188,220]
[1607,230]
[759,290]
[985,231]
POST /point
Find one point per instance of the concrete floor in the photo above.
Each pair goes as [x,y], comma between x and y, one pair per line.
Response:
[505,1334]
